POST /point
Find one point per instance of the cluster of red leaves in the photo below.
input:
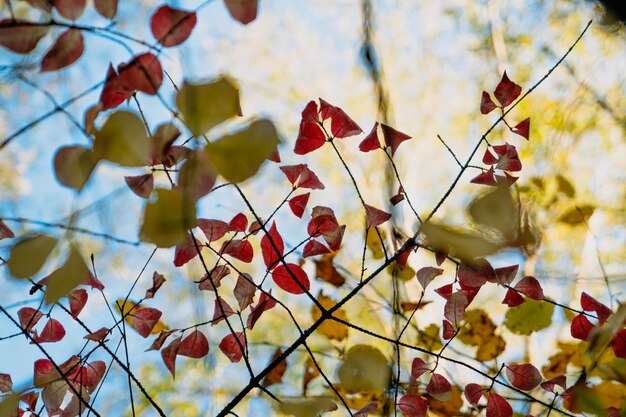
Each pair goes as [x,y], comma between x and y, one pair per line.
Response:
[502,157]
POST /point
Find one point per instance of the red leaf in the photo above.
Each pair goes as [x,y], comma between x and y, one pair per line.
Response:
[238,249]
[445,291]
[185,252]
[439,387]
[476,274]
[580,327]
[171,26]
[618,343]
[512,298]
[238,223]
[20,36]
[498,406]
[157,282]
[485,178]
[28,317]
[525,376]
[413,405]
[309,180]
[323,220]
[505,158]
[266,302]
[214,278]
[98,335]
[221,311]
[231,348]
[6,383]
[5,232]
[144,319]
[404,252]
[506,91]
[314,248]
[418,368]
[371,142]
[310,137]
[254,227]
[160,339]
[169,355]
[77,298]
[506,179]
[94,282]
[393,138]
[213,229]
[588,303]
[371,407]
[473,393]
[506,275]
[523,128]
[334,237]
[70,9]
[66,50]
[291,278]
[426,274]
[398,197]
[486,103]
[106,8]
[244,11]
[141,185]
[530,287]
[195,345]
[310,113]
[92,374]
[448,330]
[270,255]
[113,93]
[143,73]
[244,290]
[44,372]
[52,332]
[30,399]
[375,217]
[292,172]
[342,126]
[298,203]
[455,308]
[550,384]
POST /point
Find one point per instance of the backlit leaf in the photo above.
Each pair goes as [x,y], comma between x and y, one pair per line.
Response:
[530,287]
[529,317]
[426,274]
[106,8]
[523,128]
[28,318]
[231,346]
[244,11]
[73,273]
[66,50]
[52,332]
[28,254]
[167,219]
[506,91]
[194,345]
[393,137]
[169,353]
[141,185]
[577,214]
[238,249]
[239,156]
[330,328]
[455,307]
[172,26]
[204,106]
[473,393]
[78,299]
[326,271]
[291,278]
[123,140]
[298,204]
[5,232]
[275,376]
[370,142]
[466,245]
[306,407]
[375,217]
[439,387]
[413,405]
[244,291]
[272,247]
[497,406]
[364,369]
[486,103]
[524,376]
[70,9]
[144,320]
[157,281]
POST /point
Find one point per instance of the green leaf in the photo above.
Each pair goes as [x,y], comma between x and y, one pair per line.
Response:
[123,140]
[73,273]
[364,369]
[9,404]
[29,254]
[529,317]
[204,106]
[167,220]
[238,157]
[73,166]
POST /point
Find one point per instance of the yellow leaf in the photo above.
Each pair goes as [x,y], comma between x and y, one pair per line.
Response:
[465,245]
[73,273]
[532,316]
[306,407]
[449,407]
[364,369]
[330,328]
[374,243]
[577,214]
[239,156]
[167,220]
[73,166]
[429,339]
[130,307]
[406,274]
[123,140]
[29,254]
[496,209]
[206,105]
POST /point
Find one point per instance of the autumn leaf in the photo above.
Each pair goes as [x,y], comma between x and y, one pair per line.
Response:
[275,376]
[66,50]
[332,329]
[167,219]
[364,368]
[28,254]
[171,26]
[524,376]
[291,278]
[21,36]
